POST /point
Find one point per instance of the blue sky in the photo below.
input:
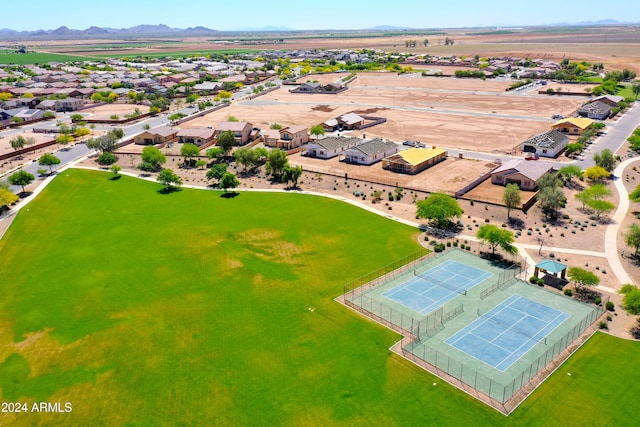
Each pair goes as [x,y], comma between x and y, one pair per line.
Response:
[228,15]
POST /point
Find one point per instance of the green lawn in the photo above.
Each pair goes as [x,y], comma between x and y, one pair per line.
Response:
[143,308]
[9,57]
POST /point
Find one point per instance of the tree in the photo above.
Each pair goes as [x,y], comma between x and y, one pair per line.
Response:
[189,151]
[495,236]
[511,197]
[550,195]
[582,277]
[217,171]
[226,140]
[64,139]
[601,207]
[631,300]
[632,238]
[634,196]
[168,178]
[276,163]
[20,141]
[215,153]
[596,173]
[635,88]
[292,174]
[7,198]
[201,163]
[439,209]
[276,126]
[152,158]
[605,159]
[21,178]
[567,173]
[595,192]
[48,160]
[246,157]
[316,131]
[115,169]
[228,180]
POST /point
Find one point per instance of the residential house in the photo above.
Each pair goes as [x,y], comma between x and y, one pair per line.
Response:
[546,144]
[525,173]
[326,148]
[611,100]
[27,102]
[348,121]
[287,138]
[198,136]
[241,130]
[159,135]
[414,160]
[69,104]
[370,152]
[597,110]
[27,114]
[573,125]
[47,104]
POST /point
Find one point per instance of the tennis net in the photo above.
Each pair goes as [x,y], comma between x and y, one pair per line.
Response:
[439,283]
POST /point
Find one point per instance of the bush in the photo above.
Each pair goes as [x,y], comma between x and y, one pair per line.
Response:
[468,248]
[568,292]
[439,247]
[455,244]
[598,301]
[107,158]
[603,325]
[462,246]
[533,280]
[448,244]
[610,306]
[540,281]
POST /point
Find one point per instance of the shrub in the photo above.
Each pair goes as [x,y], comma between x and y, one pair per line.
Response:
[455,244]
[439,247]
[610,306]
[603,325]
[462,246]
[533,279]
[107,158]
[598,301]
[568,292]
[468,248]
[540,281]
[448,244]
[552,255]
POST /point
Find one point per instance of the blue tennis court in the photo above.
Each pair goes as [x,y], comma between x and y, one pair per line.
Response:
[508,331]
[435,287]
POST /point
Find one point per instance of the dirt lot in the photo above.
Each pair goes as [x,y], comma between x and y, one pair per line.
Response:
[107,110]
[446,112]
[39,138]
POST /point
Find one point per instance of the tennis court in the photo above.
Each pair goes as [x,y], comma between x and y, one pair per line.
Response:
[428,290]
[502,336]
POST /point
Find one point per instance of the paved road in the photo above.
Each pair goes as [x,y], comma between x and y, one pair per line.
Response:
[615,136]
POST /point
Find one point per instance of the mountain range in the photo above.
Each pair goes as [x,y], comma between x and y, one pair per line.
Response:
[138,30]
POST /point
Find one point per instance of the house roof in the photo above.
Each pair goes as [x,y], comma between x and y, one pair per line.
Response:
[232,126]
[597,107]
[350,118]
[613,98]
[294,129]
[163,131]
[530,169]
[580,122]
[271,133]
[204,133]
[550,139]
[551,266]
[375,146]
[416,156]
[332,142]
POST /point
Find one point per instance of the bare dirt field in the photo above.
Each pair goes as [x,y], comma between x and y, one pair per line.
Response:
[616,47]
[107,110]
[446,112]
[38,138]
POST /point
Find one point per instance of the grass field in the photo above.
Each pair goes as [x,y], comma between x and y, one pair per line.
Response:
[9,57]
[143,308]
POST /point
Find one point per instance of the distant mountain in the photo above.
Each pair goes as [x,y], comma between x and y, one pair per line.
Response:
[138,30]
[267,28]
[387,27]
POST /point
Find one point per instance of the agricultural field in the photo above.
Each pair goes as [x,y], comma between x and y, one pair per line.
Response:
[10,57]
[138,314]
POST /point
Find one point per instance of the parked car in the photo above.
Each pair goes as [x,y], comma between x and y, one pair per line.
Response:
[557,116]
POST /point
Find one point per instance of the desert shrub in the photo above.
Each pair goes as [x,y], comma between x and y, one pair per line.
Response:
[107,158]
[603,325]
[568,292]
[610,306]
[598,301]
[533,279]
